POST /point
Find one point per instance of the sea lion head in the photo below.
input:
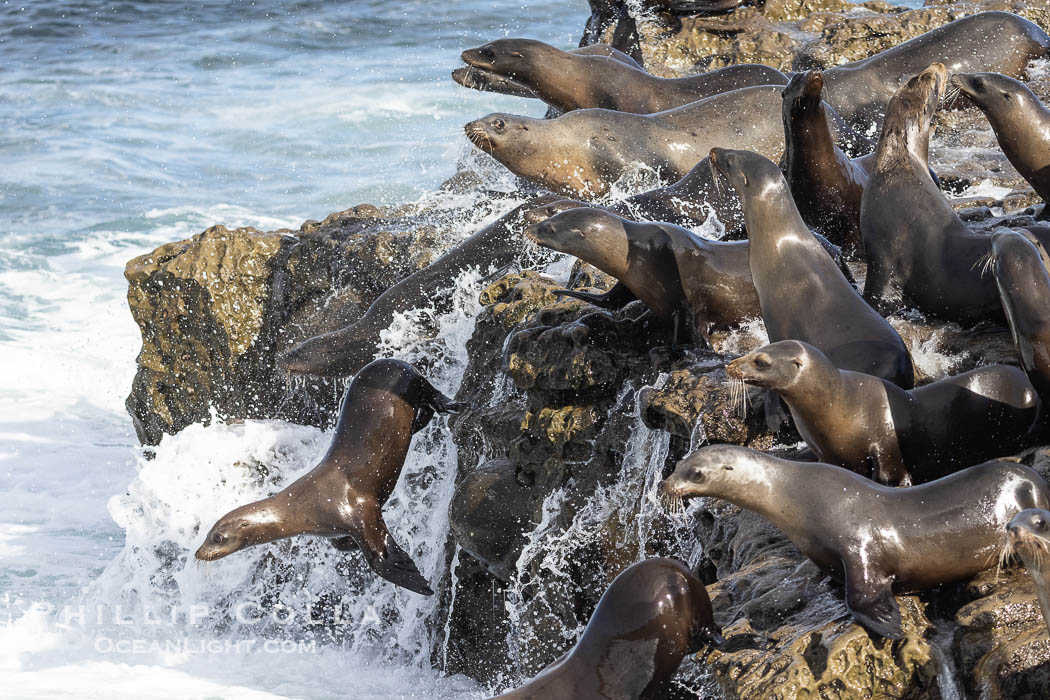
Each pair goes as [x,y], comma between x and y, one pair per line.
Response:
[752,175]
[530,148]
[233,532]
[335,354]
[718,470]
[996,94]
[776,366]
[802,93]
[1016,254]
[593,235]
[910,112]
[1029,536]
[512,61]
[539,214]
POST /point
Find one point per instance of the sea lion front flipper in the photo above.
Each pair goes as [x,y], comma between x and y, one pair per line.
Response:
[871,602]
[776,414]
[394,564]
[617,297]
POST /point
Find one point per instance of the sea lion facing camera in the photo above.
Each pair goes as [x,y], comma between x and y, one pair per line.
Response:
[876,539]
[1029,538]
[803,293]
[650,617]
[825,183]
[1020,121]
[583,152]
[342,497]
[567,80]
[877,429]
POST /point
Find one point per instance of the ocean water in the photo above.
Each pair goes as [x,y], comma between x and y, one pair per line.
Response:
[124,125]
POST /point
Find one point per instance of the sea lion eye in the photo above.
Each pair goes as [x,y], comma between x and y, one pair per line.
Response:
[762,362]
[218,538]
[727,467]
[1039,522]
[499,124]
[1006,95]
[487,54]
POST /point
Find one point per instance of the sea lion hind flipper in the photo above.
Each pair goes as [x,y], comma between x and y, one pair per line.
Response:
[873,605]
[396,566]
[344,544]
[617,297]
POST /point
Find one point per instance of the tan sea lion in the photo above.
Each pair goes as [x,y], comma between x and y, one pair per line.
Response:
[652,615]
[342,497]
[875,428]
[876,539]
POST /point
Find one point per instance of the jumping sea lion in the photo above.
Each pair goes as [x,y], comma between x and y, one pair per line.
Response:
[875,428]
[876,539]
[803,293]
[998,41]
[681,277]
[342,352]
[491,81]
[1020,266]
[650,617]
[1020,121]
[342,497]
[1029,538]
[583,152]
[566,80]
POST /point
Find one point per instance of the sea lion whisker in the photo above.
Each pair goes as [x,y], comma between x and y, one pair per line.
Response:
[984,262]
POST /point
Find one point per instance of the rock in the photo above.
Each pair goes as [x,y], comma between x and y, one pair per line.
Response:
[489,516]
[215,310]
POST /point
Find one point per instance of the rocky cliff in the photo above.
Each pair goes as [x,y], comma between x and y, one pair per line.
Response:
[576,413]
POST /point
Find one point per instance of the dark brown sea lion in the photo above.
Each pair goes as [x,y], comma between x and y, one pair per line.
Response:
[1022,274]
[567,80]
[877,540]
[583,152]
[490,81]
[650,617]
[996,41]
[803,293]
[1020,121]
[875,428]
[681,277]
[342,497]
[1029,538]
[826,184]
[919,252]
[342,352]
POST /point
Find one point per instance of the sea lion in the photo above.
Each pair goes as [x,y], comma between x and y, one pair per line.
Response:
[681,277]
[1029,538]
[490,81]
[1021,269]
[583,152]
[567,81]
[342,497]
[825,183]
[998,41]
[342,352]
[875,428]
[803,293]
[919,252]
[876,539]
[650,617]
[1020,121]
